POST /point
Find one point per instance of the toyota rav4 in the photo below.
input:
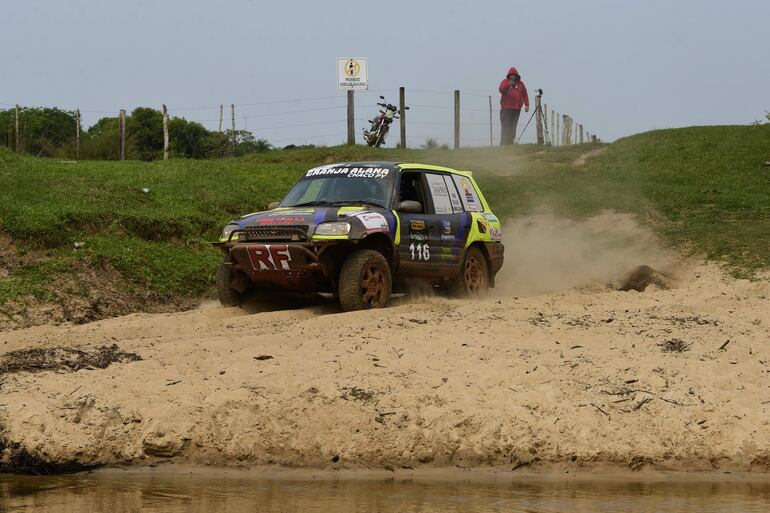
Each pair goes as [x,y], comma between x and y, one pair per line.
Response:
[362,230]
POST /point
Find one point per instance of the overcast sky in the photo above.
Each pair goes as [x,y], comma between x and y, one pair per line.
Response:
[617,66]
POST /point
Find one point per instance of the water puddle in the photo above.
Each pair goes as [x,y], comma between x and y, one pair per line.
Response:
[123,492]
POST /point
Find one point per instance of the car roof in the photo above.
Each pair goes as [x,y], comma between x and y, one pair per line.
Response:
[401,165]
[429,167]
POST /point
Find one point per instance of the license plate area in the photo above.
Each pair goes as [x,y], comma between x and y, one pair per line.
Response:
[270,257]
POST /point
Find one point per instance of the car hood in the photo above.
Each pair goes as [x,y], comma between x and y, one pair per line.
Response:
[363,216]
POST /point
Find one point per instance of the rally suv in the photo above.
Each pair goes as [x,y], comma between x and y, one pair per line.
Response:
[360,230]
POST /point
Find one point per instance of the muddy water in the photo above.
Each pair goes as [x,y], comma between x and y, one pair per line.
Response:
[122,492]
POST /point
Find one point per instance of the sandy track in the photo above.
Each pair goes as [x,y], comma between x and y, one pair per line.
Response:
[574,376]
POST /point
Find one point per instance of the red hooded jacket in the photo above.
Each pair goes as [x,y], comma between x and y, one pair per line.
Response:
[513,97]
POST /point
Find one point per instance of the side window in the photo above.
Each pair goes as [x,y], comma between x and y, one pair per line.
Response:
[468,194]
[411,189]
[442,202]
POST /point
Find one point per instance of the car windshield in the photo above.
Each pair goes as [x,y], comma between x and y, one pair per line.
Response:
[337,189]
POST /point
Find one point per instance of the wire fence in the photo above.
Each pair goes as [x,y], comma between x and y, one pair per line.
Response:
[322,120]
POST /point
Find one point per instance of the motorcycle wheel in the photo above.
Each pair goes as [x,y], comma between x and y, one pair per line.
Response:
[380,139]
[373,137]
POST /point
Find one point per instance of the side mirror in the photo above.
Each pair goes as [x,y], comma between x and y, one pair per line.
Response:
[274,204]
[410,207]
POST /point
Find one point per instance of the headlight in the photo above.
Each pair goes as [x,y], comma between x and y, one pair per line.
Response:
[336,228]
[227,231]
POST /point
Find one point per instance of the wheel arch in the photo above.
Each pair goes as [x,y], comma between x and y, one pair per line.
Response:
[382,243]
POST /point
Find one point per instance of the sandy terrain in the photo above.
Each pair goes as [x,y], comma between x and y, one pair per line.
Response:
[669,379]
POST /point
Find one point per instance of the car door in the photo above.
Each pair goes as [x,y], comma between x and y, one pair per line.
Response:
[431,240]
[448,227]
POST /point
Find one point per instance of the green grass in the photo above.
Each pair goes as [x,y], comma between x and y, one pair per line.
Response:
[31,281]
[706,189]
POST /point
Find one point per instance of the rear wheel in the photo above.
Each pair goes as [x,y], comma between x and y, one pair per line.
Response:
[365,281]
[473,279]
[227,279]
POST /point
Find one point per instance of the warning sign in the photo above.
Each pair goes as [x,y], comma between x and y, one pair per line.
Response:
[352,73]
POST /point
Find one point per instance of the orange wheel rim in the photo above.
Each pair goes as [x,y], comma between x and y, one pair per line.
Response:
[373,286]
[473,274]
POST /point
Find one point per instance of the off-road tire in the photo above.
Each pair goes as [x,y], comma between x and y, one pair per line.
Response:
[473,280]
[227,295]
[365,281]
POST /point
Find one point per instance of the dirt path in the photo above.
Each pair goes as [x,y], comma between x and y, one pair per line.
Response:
[586,375]
[582,159]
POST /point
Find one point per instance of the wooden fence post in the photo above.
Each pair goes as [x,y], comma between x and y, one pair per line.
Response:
[580,129]
[491,136]
[553,128]
[539,119]
[564,129]
[221,115]
[351,118]
[572,131]
[122,133]
[232,119]
[567,130]
[457,119]
[77,134]
[559,130]
[402,114]
[18,138]
[165,132]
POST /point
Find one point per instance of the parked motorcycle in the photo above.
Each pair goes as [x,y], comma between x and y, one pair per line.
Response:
[375,136]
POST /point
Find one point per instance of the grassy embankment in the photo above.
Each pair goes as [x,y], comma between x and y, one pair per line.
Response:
[707,190]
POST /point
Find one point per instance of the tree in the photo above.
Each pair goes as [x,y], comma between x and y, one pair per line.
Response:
[188,139]
[50,132]
[144,130]
[44,132]
[246,143]
[101,140]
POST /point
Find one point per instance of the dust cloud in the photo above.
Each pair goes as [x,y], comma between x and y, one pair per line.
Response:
[546,253]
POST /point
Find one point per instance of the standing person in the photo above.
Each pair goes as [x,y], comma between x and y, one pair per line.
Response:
[513,94]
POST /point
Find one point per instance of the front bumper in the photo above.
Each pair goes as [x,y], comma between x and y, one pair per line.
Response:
[295,266]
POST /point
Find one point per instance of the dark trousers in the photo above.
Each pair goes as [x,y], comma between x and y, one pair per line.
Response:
[509,118]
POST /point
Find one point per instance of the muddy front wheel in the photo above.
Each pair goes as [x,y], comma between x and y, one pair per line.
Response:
[473,279]
[227,280]
[365,281]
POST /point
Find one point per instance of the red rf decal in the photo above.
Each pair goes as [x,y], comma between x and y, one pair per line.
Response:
[269,257]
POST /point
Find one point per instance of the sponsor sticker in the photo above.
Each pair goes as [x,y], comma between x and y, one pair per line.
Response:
[457,205]
[417,230]
[350,172]
[269,257]
[279,220]
[373,221]
[446,230]
[442,203]
[491,217]
[468,194]
[417,224]
[495,233]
